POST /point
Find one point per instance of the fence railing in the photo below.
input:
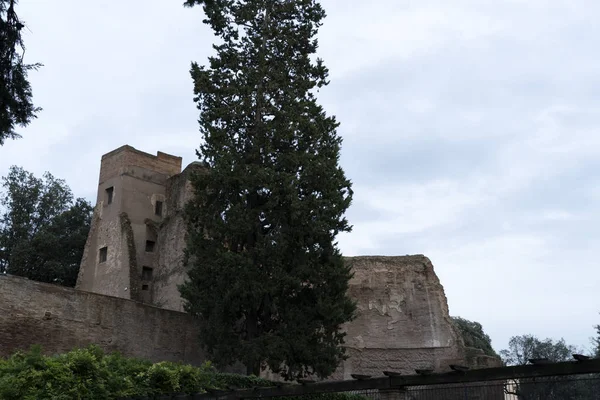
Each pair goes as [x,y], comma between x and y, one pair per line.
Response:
[541,380]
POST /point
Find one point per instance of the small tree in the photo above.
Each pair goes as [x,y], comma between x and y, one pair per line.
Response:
[596,341]
[266,276]
[43,230]
[523,348]
[473,335]
[16,107]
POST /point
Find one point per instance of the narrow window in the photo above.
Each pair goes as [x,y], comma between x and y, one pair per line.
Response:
[103,254]
[144,287]
[150,246]
[109,195]
[158,208]
[146,273]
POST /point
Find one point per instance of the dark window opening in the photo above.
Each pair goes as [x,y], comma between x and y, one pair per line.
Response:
[144,287]
[109,195]
[150,246]
[146,273]
[103,254]
[158,208]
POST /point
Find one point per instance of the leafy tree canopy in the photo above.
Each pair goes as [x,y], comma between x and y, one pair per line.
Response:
[16,107]
[43,230]
[473,335]
[523,348]
[596,341]
[265,273]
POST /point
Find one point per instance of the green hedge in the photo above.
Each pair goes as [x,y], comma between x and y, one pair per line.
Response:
[90,374]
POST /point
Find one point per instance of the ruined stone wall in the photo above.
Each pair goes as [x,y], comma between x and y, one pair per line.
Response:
[171,241]
[61,319]
[112,277]
[402,320]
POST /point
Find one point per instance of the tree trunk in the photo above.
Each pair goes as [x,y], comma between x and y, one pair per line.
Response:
[253,369]
[252,365]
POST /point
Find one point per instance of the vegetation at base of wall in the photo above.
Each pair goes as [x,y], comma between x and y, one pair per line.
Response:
[89,373]
[473,335]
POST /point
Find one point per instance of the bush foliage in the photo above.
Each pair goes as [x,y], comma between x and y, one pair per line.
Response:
[89,373]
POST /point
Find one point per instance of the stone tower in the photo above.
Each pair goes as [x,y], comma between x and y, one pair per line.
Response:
[120,256]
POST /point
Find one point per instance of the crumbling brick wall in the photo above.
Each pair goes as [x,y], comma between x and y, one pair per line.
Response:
[60,319]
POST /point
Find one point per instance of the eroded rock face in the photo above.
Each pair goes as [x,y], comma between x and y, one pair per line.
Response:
[401,304]
[402,317]
[402,321]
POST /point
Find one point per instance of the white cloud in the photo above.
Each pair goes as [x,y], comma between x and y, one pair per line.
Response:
[398,31]
[414,208]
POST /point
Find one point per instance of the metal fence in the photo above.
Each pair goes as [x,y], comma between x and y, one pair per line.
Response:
[576,380]
[570,387]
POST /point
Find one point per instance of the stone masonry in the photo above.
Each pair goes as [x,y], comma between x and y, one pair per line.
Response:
[61,319]
[120,256]
[135,252]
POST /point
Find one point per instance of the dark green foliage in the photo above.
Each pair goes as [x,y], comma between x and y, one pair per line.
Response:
[90,374]
[16,107]
[473,335]
[43,230]
[525,347]
[266,275]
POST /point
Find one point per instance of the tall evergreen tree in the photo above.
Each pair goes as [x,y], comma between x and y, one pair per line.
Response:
[265,272]
[16,106]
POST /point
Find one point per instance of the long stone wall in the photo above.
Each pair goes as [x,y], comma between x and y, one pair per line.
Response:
[61,319]
[402,321]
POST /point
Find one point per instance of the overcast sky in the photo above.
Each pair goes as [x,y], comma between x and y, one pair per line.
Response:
[471,133]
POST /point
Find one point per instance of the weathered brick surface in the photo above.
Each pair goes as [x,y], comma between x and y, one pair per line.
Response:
[61,318]
[171,241]
[127,156]
[138,182]
[402,320]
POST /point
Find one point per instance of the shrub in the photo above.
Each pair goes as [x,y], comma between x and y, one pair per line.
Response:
[88,373]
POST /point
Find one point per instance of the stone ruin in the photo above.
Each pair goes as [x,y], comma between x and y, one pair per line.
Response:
[133,263]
